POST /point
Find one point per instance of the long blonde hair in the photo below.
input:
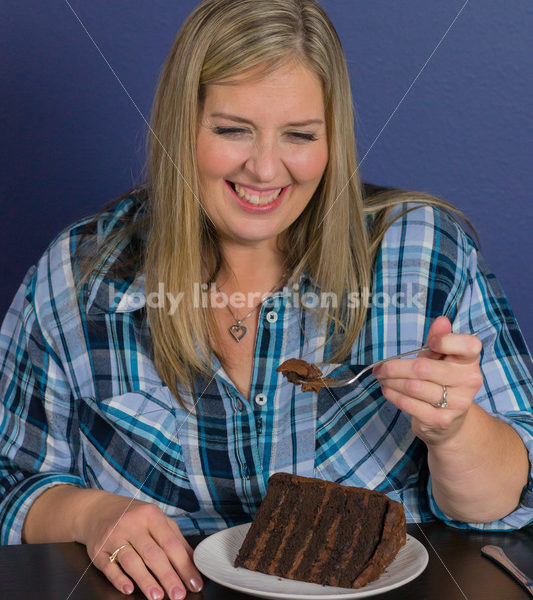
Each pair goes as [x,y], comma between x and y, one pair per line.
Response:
[330,241]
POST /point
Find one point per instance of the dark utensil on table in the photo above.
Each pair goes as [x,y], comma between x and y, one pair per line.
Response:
[499,556]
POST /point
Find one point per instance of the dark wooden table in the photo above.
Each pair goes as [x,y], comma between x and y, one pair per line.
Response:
[456,570]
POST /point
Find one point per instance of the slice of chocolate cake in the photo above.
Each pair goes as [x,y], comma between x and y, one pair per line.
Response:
[323,532]
[299,371]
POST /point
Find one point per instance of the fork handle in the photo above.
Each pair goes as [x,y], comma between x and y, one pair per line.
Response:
[384,360]
[375,364]
[416,351]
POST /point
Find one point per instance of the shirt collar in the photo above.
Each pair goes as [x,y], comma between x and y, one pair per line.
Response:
[116,295]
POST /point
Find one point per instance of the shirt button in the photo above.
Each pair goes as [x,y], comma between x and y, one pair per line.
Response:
[272,316]
[261,399]
[246,472]
[240,405]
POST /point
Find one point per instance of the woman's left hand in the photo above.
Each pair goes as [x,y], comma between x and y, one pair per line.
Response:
[416,385]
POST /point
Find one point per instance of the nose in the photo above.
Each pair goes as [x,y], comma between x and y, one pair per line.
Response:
[264,160]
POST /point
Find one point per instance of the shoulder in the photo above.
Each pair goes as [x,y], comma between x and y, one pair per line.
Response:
[421,235]
[426,224]
[427,254]
[94,232]
[54,289]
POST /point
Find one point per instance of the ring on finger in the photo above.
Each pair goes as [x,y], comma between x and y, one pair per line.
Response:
[113,556]
[443,402]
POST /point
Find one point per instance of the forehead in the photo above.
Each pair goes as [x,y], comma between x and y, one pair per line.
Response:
[288,91]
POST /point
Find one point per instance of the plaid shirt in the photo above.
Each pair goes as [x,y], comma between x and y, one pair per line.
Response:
[83,404]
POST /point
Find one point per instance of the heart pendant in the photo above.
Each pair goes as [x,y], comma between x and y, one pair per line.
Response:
[235,332]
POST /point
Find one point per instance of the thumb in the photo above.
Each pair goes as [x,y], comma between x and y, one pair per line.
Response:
[440,326]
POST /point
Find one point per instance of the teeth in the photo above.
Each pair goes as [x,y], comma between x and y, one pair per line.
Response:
[258,200]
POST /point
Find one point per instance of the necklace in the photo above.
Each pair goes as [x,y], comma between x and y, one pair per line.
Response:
[238,331]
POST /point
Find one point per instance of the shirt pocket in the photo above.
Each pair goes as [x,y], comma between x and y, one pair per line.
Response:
[130,446]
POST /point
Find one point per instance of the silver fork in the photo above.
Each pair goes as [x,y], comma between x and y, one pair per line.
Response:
[341,382]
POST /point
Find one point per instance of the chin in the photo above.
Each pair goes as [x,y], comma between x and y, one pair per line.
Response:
[252,235]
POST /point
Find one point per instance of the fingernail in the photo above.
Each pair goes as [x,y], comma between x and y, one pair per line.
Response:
[195,584]
[156,594]
[127,588]
[177,593]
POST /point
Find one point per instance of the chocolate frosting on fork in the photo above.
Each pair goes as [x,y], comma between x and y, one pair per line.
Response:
[309,375]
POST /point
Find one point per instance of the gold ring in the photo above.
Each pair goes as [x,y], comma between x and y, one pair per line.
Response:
[113,557]
[443,402]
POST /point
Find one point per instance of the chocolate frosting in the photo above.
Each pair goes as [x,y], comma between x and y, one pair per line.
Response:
[297,370]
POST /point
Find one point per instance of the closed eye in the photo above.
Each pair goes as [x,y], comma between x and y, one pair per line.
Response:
[304,136]
[236,131]
[229,131]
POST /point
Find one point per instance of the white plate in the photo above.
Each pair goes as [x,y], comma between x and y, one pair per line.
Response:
[215,555]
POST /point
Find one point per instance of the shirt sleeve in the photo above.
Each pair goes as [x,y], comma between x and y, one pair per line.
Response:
[506,366]
[39,435]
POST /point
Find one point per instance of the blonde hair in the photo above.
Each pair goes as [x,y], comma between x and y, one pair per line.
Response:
[330,241]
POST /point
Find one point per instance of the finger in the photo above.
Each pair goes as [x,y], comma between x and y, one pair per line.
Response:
[423,391]
[428,353]
[423,411]
[136,567]
[173,525]
[179,557]
[196,581]
[425,369]
[441,340]
[461,348]
[113,572]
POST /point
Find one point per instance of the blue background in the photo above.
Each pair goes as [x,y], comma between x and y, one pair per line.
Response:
[73,137]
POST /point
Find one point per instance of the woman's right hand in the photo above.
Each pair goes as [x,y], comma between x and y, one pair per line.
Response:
[157,558]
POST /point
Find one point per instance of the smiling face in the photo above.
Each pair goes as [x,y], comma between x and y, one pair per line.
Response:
[261,150]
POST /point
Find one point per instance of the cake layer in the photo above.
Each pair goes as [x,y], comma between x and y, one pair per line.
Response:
[323,532]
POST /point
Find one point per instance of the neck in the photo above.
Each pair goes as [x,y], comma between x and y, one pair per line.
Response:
[254,269]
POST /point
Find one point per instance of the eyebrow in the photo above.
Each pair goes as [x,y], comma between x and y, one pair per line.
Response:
[241,120]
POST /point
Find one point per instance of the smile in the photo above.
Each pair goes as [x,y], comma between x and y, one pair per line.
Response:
[253,196]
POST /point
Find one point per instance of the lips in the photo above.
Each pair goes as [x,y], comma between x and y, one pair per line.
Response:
[258,205]
[255,197]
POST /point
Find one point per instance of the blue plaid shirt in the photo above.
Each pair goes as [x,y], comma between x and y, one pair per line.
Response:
[83,404]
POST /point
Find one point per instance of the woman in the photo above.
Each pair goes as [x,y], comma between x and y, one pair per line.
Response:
[139,408]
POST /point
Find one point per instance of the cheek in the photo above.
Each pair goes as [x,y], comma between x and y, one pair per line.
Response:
[309,166]
[214,159]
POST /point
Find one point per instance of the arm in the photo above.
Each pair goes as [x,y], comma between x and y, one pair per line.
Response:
[479,475]
[103,522]
[478,446]
[469,451]
[38,433]
[39,450]
[56,515]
